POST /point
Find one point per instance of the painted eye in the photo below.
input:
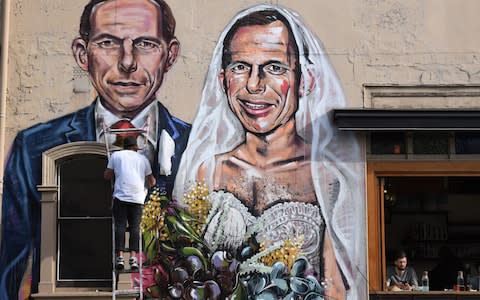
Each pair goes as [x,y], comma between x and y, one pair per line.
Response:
[275,69]
[107,44]
[239,68]
[146,45]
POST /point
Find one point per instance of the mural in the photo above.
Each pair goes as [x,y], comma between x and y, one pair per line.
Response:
[126,59]
[274,200]
[267,201]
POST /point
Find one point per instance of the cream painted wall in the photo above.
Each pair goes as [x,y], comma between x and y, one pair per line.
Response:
[369,41]
[404,42]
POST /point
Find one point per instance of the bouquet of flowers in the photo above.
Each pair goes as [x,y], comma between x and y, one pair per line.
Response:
[181,265]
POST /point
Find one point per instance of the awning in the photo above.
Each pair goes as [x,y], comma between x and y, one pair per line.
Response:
[407,120]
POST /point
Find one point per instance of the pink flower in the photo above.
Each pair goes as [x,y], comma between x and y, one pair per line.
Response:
[152,276]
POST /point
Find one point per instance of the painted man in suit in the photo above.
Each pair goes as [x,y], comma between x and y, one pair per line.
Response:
[126,46]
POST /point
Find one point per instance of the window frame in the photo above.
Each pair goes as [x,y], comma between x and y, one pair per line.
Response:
[376,170]
[61,220]
[49,190]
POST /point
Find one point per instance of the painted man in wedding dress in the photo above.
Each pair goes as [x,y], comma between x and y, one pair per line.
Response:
[264,142]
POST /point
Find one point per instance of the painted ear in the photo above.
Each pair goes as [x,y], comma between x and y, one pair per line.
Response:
[221,79]
[79,49]
[310,82]
[173,51]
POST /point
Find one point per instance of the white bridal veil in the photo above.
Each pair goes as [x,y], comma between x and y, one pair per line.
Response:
[337,158]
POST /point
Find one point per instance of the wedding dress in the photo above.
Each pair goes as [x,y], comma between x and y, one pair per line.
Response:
[337,161]
[230,225]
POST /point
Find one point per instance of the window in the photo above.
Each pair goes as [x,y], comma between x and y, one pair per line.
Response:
[467,143]
[423,144]
[430,143]
[76,244]
[388,143]
[84,222]
[421,206]
[430,218]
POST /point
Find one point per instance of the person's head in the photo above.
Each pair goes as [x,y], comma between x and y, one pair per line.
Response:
[260,70]
[126,46]
[400,260]
[130,143]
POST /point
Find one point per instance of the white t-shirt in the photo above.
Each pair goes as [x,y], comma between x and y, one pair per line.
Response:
[130,170]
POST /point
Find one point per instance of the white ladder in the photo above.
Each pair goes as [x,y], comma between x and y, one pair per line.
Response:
[133,291]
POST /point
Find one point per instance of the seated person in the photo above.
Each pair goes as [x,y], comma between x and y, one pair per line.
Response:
[399,275]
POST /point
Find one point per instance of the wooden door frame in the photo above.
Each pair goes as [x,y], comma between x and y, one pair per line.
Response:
[375,223]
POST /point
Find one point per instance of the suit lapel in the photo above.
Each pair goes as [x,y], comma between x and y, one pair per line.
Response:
[82,125]
[166,122]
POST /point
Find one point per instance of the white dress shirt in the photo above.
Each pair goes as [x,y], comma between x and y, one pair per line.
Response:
[147,119]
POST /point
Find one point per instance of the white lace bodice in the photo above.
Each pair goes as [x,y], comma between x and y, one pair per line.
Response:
[229,224]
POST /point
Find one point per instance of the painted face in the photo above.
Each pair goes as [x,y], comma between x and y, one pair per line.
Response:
[401,263]
[260,80]
[127,54]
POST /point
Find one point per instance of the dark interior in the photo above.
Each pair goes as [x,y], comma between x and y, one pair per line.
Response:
[436,221]
[84,223]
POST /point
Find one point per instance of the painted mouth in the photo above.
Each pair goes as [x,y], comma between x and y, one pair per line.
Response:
[256,109]
[126,87]
[126,84]
[254,106]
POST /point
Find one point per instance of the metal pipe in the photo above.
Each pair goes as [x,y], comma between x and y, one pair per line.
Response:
[3,85]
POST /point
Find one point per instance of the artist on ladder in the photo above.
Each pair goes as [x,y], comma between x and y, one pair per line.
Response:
[130,170]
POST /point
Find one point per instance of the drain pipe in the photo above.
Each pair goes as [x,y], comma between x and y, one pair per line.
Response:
[3,86]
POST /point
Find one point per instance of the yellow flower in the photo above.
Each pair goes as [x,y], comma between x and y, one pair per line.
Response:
[287,253]
[197,203]
[153,216]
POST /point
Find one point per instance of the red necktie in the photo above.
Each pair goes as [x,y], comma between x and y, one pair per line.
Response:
[122,129]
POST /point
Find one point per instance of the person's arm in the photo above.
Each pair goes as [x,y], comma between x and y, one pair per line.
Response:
[400,286]
[108,174]
[151,180]
[392,287]
[18,219]
[414,279]
[389,281]
[202,172]
[411,280]
[336,288]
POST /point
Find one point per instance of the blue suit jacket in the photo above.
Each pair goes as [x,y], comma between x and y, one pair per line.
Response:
[21,200]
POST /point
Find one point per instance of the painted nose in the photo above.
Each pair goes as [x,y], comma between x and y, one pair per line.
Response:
[127,62]
[255,83]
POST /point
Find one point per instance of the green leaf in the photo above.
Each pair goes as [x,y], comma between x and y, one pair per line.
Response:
[186,216]
[239,293]
[153,292]
[151,245]
[178,228]
[165,247]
